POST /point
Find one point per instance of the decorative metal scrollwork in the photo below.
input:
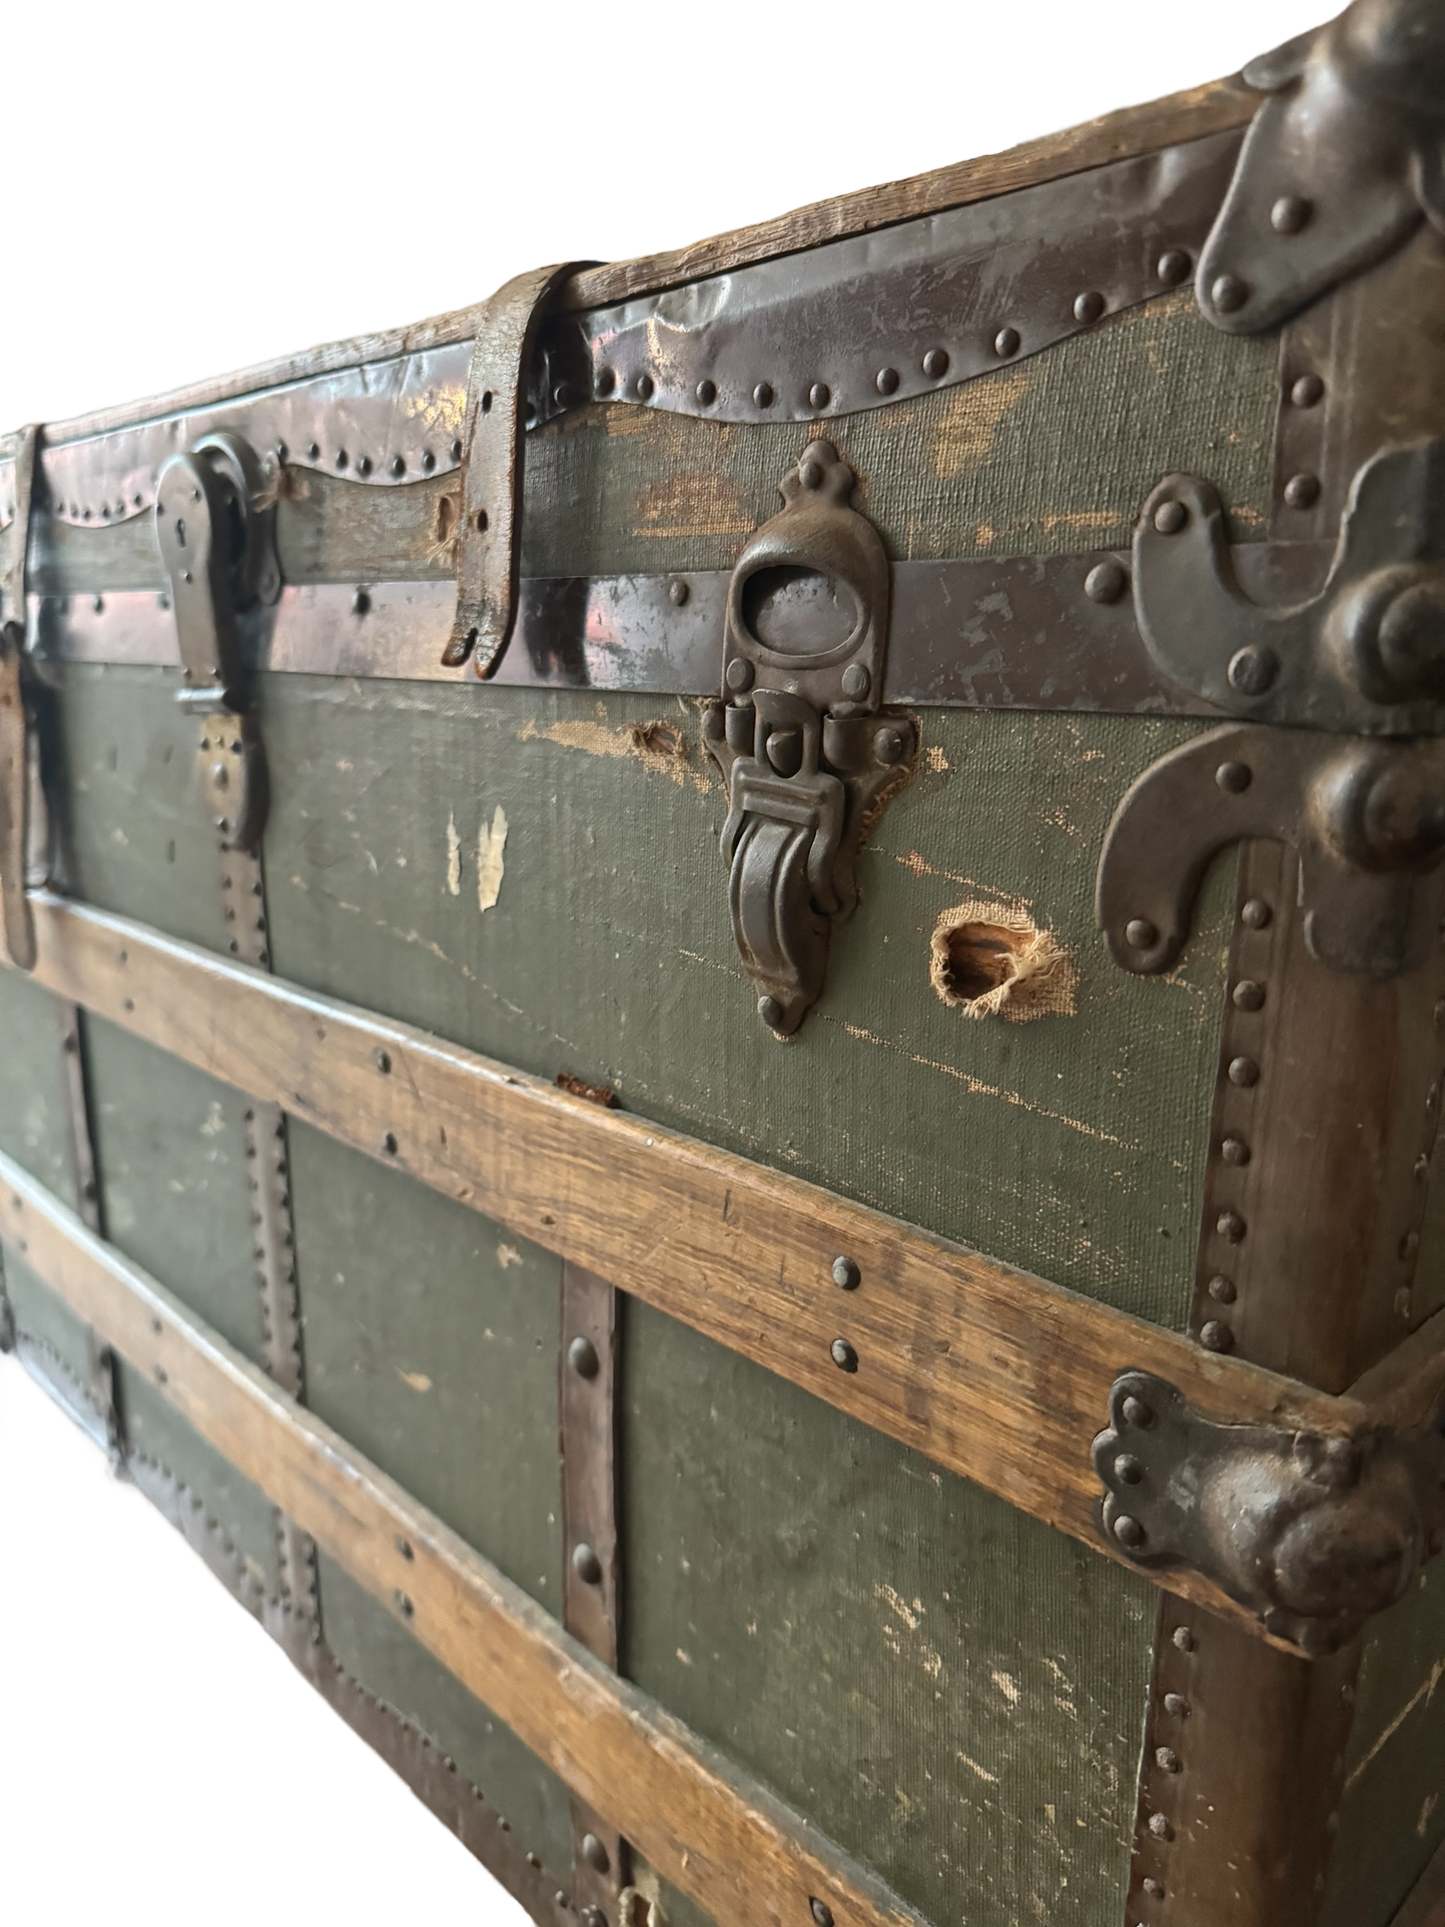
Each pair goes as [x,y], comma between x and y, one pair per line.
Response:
[806,756]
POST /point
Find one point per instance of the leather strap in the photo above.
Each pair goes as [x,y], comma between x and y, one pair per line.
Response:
[488,541]
[14,761]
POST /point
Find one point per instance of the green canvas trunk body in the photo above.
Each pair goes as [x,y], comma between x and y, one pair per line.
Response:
[961,1705]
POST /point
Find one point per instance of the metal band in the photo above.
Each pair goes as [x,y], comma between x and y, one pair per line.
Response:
[488,538]
[89,1208]
[14,734]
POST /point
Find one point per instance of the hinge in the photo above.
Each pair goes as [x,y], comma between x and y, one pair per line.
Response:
[807,757]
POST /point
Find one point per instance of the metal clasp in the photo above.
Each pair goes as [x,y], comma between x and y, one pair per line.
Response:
[806,756]
[218,545]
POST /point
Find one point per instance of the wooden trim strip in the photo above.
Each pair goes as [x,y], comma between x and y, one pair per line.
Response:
[725,1841]
[1189,115]
[992,1373]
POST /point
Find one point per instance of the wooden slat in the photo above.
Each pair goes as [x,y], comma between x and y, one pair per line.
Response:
[722,1839]
[1190,115]
[993,1373]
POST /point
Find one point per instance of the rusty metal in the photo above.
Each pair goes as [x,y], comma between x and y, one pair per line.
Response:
[487,542]
[1341,164]
[804,749]
[921,305]
[1367,820]
[587,1405]
[1366,653]
[1312,1534]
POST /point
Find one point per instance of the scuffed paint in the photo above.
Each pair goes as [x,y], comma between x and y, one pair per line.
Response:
[454,858]
[418,1381]
[491,843]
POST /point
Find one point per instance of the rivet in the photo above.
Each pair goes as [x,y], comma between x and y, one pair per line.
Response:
[1174,266]
[1243,1072]
[456,451]
[1231,1227]
[935,364]
[889,745]
[1307,391]
[1256,914]
[428,461]
[1253,669]
[586,1564]
[843,1355]
[562,394]
[582,1357]
[592,1917]
[403,1604]
[1168,1759]
[1302,491]
[1170,517]
[1410,1245]
[363,464]
[1006,343]
[819,395]
[594,1853]
[739,675]
[1088,307]
[1215,1336]
[1128,1531]
[886,381]
[388,1143]
[1140,934]
[1129,1470]
[771,1012]
[643,386]
[1160,1827]
[1137,1413]
[678,592]
[341,458]
[382,1061]
[1176,1706]
[846,1274]
[1183,1639]
[1106,582]
[706,392]
[1234,777]
[1290,213]
[1229,293]
[604,381]
[855,680]
[313,450]
[763,394]
[1248,995]
[822,1913]
[1222,1290]
[1154,1888]
[397,465]
[160,1370]
[360,603]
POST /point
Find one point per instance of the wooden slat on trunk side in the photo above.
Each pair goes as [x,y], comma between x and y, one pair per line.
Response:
[719,1837]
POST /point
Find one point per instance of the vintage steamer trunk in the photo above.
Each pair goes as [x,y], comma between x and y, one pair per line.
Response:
[725,1026]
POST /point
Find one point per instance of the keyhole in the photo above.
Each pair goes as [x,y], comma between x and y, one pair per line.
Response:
[180,531]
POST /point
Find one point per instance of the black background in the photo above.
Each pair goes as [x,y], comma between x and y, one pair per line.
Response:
[172,212]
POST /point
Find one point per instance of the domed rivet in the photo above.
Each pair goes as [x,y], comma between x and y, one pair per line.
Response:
[341,458]
[886,381]
[739,675]
[1306,391]
[1167,1758]
[1230,1226]
[428,461]
[382,1061]
[1302,491]
[1128,1531]
[595,1854]
[1256,914]
[456,451]
[1160,1827]
[1129,1470]
[1243,1073]
[1137,1413]
[819,395]
[1253,669]
[397,465]
[1006,343]
[678,592]
[604,381]
[1140,934]
[843,1355]
[846,1274]
[562,394]
[822,1913]
[1174,266]
[889,745]
[1248,995]
[1234,1151]
[855,680]
[582,1357]
[1222,1289]
[1290,213]
[644,387]
[1170,517]
[1154,1888]
[1216,1337]
[935,364]
[1184,1639]
[586,1565]
[771,1012]
[363,464]
[1106,582]
[1088,307]
[361,603]
[706,392]
[388,1143]
[763,394]
[1229,293]
[1234,777]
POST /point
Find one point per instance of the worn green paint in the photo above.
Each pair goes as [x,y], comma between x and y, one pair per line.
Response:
[942,1684]
[34,1101]
[1392,1811]
[376,1649]
[431,1340]
[45,1320]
